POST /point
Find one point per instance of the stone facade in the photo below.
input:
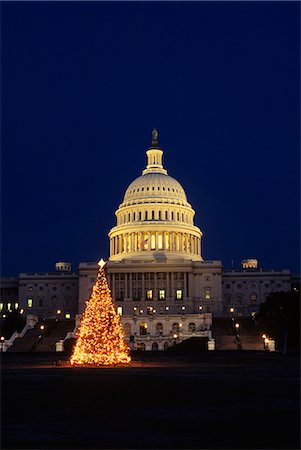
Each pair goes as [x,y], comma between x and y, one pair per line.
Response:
[162,287]
[49,295]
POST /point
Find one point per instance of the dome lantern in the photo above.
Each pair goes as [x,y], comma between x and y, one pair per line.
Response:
[154,156]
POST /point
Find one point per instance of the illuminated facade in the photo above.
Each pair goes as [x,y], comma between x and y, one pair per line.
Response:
[160,283]
[162,287]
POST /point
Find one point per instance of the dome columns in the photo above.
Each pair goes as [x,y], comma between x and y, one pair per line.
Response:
[141,244]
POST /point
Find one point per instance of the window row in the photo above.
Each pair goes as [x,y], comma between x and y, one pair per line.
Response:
[159,329]
[155,188]
[141,216]
[150,294]
[146,276]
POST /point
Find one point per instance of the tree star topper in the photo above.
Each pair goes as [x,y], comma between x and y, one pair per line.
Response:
[101,263]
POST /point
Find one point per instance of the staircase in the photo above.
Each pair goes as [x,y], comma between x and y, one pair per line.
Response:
[224,334]
[54,331]
[28,342]
[37,340]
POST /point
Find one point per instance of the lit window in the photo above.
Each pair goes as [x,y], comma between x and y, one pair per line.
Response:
[153,242]
[160,242]
[9,306]
[143,329]
[179,294]
[68,316]
[253,298]
[149,310]
[58,311]
[149,294]
[1,306]
[207,294]
[16,305]
[167,241]
[119,310]
[161,294]
[29,302]
[145,242]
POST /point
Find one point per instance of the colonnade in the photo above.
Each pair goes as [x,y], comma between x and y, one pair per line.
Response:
[156,240]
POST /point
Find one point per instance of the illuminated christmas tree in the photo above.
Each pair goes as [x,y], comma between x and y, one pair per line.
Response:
[101,338]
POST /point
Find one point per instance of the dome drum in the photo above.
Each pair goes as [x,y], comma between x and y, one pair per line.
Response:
[144,244]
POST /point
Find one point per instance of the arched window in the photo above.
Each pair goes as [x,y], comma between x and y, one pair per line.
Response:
[166,215]
[141,346]
[143,329]
[127,329]
[175,328]
[159,329]
[160,215]
[155,347]
[166,345]
[153,215]
[191,327]
[140,215]
[149,310]
[134,216]
[172,215]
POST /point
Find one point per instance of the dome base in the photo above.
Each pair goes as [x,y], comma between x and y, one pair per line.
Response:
[155,256]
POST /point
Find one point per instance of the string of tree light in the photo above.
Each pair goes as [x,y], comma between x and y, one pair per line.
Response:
[100,338]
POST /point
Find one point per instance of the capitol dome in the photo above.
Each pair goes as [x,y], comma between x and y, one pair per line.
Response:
[155,220]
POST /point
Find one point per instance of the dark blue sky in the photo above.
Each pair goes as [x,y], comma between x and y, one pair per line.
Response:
[83,84]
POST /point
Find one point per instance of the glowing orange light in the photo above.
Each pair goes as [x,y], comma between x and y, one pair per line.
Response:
[100,338]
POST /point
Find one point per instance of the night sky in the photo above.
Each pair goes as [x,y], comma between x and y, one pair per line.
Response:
[83,85]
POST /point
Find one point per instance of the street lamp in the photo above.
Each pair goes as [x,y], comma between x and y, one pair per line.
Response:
[237,337]
[265,342]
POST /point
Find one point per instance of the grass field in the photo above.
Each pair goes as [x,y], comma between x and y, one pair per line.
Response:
[219,400]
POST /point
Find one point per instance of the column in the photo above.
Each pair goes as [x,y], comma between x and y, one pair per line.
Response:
[185,286]
[167,286]
[113,286]
[131,287]
[125,285]
[143,287]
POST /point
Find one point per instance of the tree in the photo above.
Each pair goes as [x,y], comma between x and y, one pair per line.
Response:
[101,338]
[279,317]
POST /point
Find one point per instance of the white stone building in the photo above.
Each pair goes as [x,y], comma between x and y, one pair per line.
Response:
[161,285]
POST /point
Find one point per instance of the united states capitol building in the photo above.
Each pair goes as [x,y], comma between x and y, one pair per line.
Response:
[163,288]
